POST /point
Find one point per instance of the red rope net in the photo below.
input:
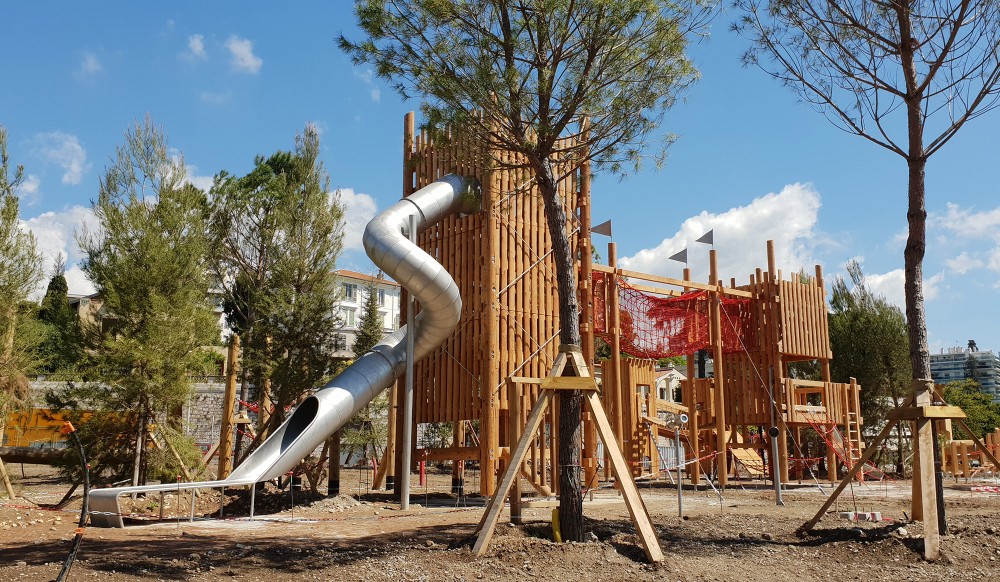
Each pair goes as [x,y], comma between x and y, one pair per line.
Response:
[661,327]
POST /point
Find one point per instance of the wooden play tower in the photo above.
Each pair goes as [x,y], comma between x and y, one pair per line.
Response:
[487,375]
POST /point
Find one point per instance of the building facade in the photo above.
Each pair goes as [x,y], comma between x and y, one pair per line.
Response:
[954,364]
[353,289]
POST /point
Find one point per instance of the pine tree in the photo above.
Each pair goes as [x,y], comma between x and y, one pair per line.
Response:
[147,259]
[20,271]
[367,431]
[63,348]
[277,233]
[370,325]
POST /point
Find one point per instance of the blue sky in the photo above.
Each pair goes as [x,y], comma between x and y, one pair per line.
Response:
[231,80]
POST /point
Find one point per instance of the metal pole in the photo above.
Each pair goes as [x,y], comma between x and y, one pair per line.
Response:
[404,490]
[253,493]
[774,433]
[192,505]
[680,485]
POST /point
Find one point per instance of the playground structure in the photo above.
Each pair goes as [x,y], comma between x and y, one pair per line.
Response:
[507,341]
[489,369]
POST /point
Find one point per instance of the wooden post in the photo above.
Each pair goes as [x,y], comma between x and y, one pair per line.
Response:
[389,458]
[587,314]
[333,480]
[458,466]
[228,408]
[489,434]
[7,351]
[694,438]
[922,396]
[614,327]
[6,480]
[720,399]
[514,432]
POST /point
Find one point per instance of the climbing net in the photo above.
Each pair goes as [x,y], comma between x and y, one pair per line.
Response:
[661,327]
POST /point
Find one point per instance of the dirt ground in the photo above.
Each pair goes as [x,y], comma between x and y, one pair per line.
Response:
[367,537]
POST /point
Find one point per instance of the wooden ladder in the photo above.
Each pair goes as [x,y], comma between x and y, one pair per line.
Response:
[854,446]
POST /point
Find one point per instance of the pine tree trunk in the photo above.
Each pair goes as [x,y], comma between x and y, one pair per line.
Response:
[570,403]
[916,243]
[140,440]
[916,212]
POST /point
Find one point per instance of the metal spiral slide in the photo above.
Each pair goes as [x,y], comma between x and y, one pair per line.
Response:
[386,240]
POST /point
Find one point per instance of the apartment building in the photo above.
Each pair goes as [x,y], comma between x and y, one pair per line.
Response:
[353,287]
[954,364]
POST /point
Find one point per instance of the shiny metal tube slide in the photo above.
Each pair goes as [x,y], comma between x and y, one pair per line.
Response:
[386,240]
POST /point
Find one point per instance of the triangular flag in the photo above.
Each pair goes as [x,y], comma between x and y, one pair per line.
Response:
[681,257]
[603,228]
[707,238]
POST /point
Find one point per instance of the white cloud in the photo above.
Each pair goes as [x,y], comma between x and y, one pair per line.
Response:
[243,58]
[215,98]
[78,282]
[55,233]
[968,223]
[66,151]
[359,209]
[190,171]
[89,67]
[200,182]
[788,218]
[891,286]
[964,263]
[368,76]
[965,225]
[196,46]
[28,190]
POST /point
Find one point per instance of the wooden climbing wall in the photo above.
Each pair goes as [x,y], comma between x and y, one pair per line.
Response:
[501,260]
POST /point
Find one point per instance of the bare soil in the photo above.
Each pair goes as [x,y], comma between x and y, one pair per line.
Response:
[367,537]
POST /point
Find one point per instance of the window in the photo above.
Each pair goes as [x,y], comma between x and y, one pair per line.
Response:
[381,297]
[339,342]
[349,317]
[350,292]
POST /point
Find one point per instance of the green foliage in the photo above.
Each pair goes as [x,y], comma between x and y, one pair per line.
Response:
[536,69]
[20,270]
[868,336]
[148,261]
[983,415]
[367,432]
[370,329]
[207,362]
[678,362]
[276,234]
[63,348]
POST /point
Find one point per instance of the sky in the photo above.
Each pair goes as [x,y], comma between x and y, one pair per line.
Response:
[229,81]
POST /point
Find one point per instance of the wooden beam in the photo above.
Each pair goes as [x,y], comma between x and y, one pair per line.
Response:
[31,455]
[228,409]
[584,383]
[636,508]
[451,454]
[488,523]
[869,452]
[927,412]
